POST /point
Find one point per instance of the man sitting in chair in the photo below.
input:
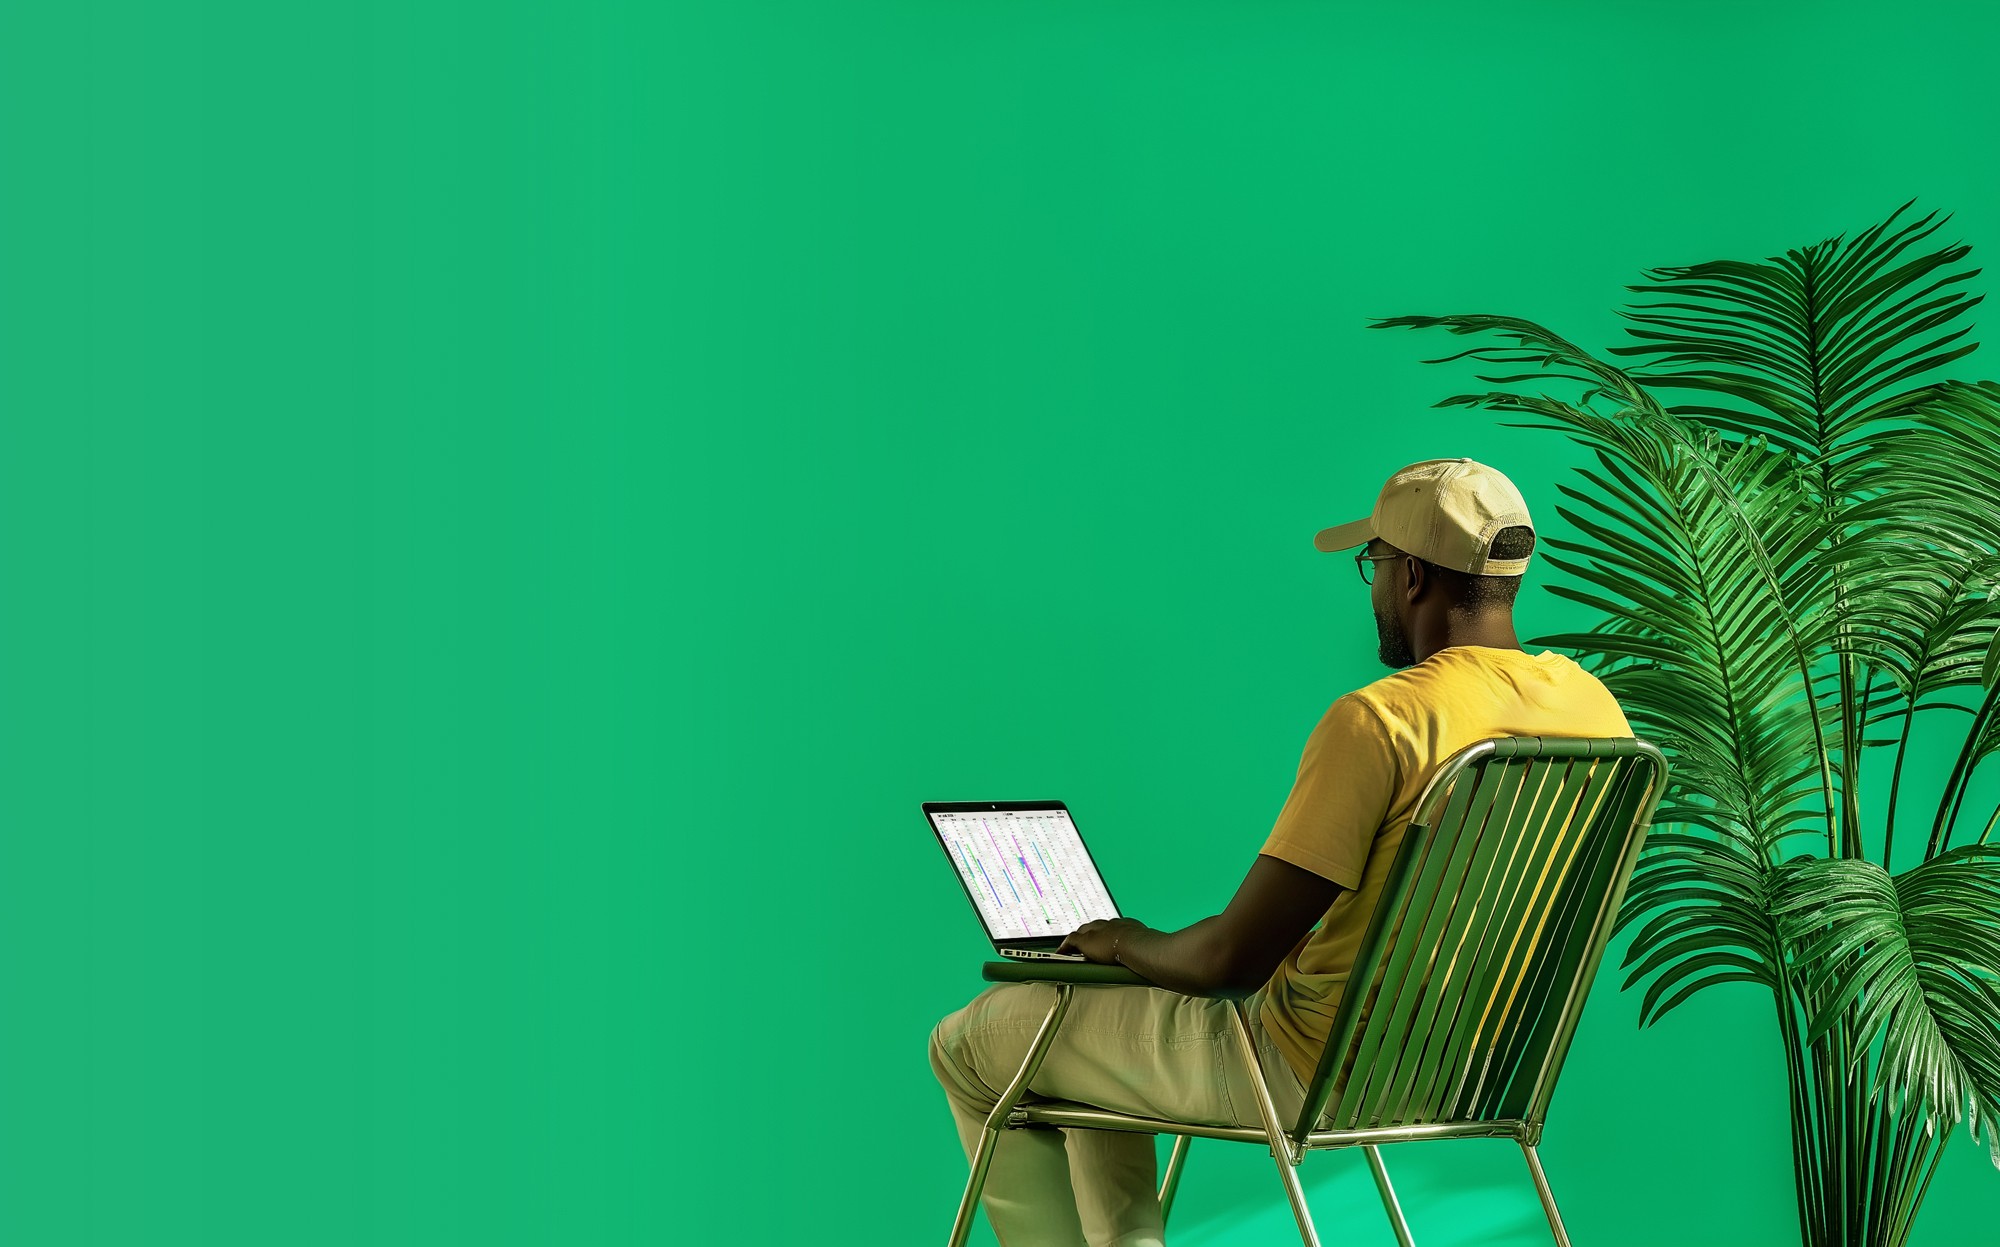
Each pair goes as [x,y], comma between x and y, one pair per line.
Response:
[1444,553]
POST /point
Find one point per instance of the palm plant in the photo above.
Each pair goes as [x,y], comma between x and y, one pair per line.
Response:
[1795,564]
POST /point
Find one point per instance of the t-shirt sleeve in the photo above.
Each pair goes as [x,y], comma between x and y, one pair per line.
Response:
[1348,776]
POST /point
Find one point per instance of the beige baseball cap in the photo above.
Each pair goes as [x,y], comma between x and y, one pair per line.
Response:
[1444,511]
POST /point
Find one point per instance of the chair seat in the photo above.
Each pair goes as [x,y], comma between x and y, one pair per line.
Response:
[1090,1117]
[1068,1113]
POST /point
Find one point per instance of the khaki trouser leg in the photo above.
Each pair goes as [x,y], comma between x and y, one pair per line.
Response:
[1135,1050]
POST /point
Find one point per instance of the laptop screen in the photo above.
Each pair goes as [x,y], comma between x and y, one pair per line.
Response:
[1026,870]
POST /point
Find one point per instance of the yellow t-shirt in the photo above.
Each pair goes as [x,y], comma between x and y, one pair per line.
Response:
[1364,767]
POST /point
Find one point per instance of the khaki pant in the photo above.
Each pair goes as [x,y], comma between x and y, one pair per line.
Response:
[1138,1050]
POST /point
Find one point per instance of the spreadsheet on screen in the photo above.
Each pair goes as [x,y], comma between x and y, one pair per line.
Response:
[1027,870]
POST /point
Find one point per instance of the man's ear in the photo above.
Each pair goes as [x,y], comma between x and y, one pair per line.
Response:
[1413,576]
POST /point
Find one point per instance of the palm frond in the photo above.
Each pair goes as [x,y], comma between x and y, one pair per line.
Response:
[1806,341]
[1693,643]
[1914,961]
[1692,647]
[1931,474]
[1806,350]
[1707,921]
[1923,617]
[1550,356]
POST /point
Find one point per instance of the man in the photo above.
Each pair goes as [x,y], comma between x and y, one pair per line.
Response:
[1448,543]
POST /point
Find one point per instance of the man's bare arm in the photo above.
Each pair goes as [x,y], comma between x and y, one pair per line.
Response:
[1231,954]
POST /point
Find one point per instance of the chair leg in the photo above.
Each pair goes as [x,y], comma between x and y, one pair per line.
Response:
[1381,1172]
[1548,1196]
[1171,1181]
[1288,1174]
[1281,1147]
[996,1121]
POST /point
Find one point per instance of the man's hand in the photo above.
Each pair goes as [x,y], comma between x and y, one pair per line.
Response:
[1098,939]
[1231,954]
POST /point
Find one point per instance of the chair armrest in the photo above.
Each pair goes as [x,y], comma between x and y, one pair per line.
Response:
[1059,972]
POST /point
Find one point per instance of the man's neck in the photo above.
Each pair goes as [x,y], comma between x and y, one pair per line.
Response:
[1492,633]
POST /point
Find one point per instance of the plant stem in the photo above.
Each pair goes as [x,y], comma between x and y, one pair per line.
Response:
[1961,775]
[1884,1147]
[1855,741]
[1954,585]
[1906,1210]
[1853,1148]
[1805,1150]
[1896,783]
[1850,744]
[1911,1139]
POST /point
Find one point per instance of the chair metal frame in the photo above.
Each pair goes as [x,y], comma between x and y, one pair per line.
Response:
[1427,1057]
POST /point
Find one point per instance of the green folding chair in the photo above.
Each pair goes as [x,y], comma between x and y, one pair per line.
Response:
[1480,955]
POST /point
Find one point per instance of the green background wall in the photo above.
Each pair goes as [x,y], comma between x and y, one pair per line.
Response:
[505,511]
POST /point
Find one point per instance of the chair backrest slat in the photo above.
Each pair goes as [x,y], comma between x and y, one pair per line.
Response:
[1474,1010]
[1470,976]
[1533,924]
[1493,852]
[1436,875]
[1585,914]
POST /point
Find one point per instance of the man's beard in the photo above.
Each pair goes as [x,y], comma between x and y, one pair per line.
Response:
[1394,650]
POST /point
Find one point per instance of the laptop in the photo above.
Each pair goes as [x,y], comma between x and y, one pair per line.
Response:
[1025,869]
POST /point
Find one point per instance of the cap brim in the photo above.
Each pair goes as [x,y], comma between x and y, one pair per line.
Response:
[1345,536]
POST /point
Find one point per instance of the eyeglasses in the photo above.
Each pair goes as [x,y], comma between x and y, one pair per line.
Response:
[1364,563]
